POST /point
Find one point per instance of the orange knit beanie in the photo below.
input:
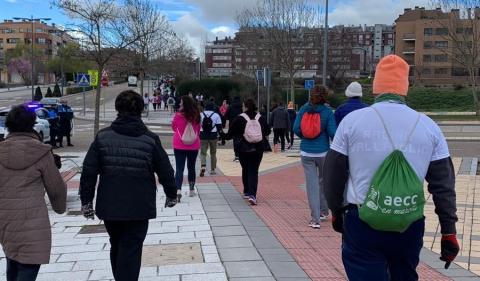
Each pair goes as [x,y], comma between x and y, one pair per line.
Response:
[391,76]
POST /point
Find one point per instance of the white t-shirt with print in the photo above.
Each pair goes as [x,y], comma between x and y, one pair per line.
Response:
[362,137]
[216,120]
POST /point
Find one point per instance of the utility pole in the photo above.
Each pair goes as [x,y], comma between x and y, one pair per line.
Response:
[325,46]
[32,59]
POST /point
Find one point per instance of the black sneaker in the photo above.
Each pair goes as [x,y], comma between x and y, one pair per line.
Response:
[202,172]
[179,195]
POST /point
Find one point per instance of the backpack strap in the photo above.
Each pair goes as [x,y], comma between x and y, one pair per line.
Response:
[245,116]
[407,141]
[257,117]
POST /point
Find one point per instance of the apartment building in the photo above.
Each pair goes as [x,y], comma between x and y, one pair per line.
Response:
[353,52]
[47,38]
[423,39]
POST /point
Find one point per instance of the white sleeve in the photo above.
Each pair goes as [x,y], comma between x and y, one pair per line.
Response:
[340,141]
[218,120]
[440,150]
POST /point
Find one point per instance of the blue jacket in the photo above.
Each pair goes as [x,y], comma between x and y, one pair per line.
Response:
[322,143]
[352,104]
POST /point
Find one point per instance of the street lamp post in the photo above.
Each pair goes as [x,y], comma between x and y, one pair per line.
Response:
[32,74]
[325,46]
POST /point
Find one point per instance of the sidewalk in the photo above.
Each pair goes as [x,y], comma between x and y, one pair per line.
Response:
[217,236]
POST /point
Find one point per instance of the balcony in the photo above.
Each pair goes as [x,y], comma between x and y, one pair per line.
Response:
[409,51]
[409,37]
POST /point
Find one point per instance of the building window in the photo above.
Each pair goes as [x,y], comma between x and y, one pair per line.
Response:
[441,31]
[38,30]
[314,52]
[459,71]
[426,71]
[41,41]
[390,42]
[428,31]
[238,59]
[314,66]
[266,53]
[251,53]
[299,59]
[441,44]
[251,59]
[427,58]
[238,53]
[13,40]
[222,58]
[215,64]
[222,51]
[299,52]
[441,71]
[427,44]
[441,58]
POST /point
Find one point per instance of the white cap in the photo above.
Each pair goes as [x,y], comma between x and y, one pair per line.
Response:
[354,90]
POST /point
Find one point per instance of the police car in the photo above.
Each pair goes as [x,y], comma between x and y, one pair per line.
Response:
[42,127]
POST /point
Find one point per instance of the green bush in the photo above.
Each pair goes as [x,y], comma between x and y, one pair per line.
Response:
[423,99]
[75,90]
[38,94]
[49,93]
[56,91]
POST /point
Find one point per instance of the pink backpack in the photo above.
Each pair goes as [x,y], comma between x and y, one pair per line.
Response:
[253,129]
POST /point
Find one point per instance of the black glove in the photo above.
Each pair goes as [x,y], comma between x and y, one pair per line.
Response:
[170,202]
[449,249]
[88,211]
[337,220]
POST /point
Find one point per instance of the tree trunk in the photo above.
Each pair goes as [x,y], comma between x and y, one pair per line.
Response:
[292,88]
[96,122]
[142,77]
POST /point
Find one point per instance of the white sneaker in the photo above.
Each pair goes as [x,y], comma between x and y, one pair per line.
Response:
[324,217]
[314,224]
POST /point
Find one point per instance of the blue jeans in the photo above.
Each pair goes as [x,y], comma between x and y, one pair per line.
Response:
[369,254]
[182,156]
[17,271]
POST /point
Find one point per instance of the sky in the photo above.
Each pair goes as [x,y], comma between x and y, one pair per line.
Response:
[203,20]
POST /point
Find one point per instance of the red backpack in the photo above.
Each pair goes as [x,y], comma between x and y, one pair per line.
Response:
[311,125]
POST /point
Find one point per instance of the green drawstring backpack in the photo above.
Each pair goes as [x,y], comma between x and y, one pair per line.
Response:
[395,198]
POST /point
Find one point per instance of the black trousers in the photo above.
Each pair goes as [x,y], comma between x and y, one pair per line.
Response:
[250,162]
[126,240]
[291,137]
[279,134]
[17,271]
[66,134]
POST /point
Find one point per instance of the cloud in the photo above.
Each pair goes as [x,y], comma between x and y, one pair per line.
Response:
[354,12]
[11,1]
[221,11]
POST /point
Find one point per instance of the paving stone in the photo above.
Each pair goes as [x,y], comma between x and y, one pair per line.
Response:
[89,229]
[205,277]
[91,265]
[220,215]
[228,230]
[209,249]
[77,249]
[214,202]
[107,273]
[189,228]
[211,258]
[204,234]
[278,254]
[266,242]
[286,270]
[224,222]
[218,208]
[56,267]
[253,279]
[247,269]
[239,254]
[163,278]
[159,255]
[240,241]
[62,276]
[100,255]
[191,269]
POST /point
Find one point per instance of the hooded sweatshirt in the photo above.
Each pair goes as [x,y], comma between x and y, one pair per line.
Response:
[27,170]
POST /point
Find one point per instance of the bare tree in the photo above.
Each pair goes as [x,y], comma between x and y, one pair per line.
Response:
[461,31]
[176,59]
[282,23]
[102,33]
[144,20]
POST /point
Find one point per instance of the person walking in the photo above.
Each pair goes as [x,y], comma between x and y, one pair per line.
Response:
[292,114]
[223,112]
[251,129]
[186,142]
[354,102]
[280,122]
[233,111]
[146,102]
[155,101]
[165,98]
[315,126]
[383,173]
[65,113]
[27,170]
[127,156]
[171,104]
[209,132]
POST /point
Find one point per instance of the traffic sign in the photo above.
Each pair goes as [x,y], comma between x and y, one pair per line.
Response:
[83,80]
[267,77]
[309,84]
[93,77]
[259,75]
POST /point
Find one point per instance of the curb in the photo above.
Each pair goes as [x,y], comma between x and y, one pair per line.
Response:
[110,121]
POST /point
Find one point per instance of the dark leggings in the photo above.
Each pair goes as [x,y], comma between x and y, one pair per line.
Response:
[17,271]
[190,156]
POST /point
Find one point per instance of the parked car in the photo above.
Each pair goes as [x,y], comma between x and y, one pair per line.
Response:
[50,102]
[42,127]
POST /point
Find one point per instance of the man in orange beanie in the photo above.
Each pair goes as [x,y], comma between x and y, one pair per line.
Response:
[381,155]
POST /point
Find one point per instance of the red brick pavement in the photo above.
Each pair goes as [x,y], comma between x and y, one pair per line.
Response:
[282,205]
